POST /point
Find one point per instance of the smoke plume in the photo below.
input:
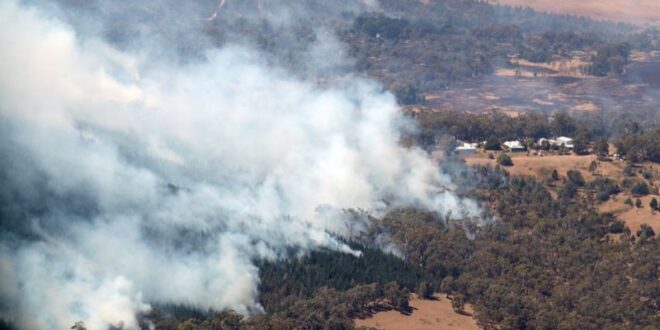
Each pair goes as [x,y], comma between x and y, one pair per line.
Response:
[130,179]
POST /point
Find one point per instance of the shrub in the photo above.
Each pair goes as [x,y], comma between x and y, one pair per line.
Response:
[504,160]
[617,227]
[424,291]
[628,201]
[640,189]
[447,284]
[457,303]
[629,170]
[601,148]
[654,204]
[638,203]
[555,175]
[604,184]
[602,196]
[647,174]
[568,191]
[576,178]
[645,231]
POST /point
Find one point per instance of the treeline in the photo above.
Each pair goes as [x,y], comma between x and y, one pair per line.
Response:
[303,277]
[545,263]
[416,47]
[425,55]
[417,56]
[327,308]
[640,146]
[542,47]
[499,127]
[610,59]
[647,40]
[590,131]
[410,46]
[324,290]
[479,13]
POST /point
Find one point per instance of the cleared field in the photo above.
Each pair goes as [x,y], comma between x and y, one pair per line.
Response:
[632,216]
[637,11]
[541,167]
[426,315]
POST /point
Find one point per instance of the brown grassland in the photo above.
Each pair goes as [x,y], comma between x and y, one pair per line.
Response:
[541,167]
[637,12]
[426,315]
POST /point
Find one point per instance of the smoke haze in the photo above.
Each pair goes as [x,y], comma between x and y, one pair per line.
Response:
[129,178]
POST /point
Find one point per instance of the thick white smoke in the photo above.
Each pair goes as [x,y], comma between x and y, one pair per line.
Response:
[130,182]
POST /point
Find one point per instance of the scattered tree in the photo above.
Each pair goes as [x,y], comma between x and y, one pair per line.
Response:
[645,231]
[458,303]
[424,290]
[555,175]
[602,196]
[576,178]
[581,142]
[447,285]
[601,148]
[628,170]
[492,144]
[568,191]
[563,124]
[640,189]
[504,160]
[617,227]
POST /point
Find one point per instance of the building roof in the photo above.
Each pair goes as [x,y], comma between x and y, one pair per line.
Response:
[466,146]
[566,141]
[513,145]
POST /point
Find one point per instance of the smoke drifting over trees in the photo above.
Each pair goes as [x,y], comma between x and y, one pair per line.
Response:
[132,174]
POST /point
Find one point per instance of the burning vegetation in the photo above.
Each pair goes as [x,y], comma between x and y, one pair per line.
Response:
[266,165]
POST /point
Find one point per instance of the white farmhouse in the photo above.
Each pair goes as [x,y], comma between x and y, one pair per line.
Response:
[558,142]
[566,141]
[514,146]
[465,148]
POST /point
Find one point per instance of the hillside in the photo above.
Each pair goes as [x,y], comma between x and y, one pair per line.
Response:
[642,12]
[328,164]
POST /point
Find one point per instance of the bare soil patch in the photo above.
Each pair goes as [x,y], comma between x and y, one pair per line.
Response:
[426,315]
